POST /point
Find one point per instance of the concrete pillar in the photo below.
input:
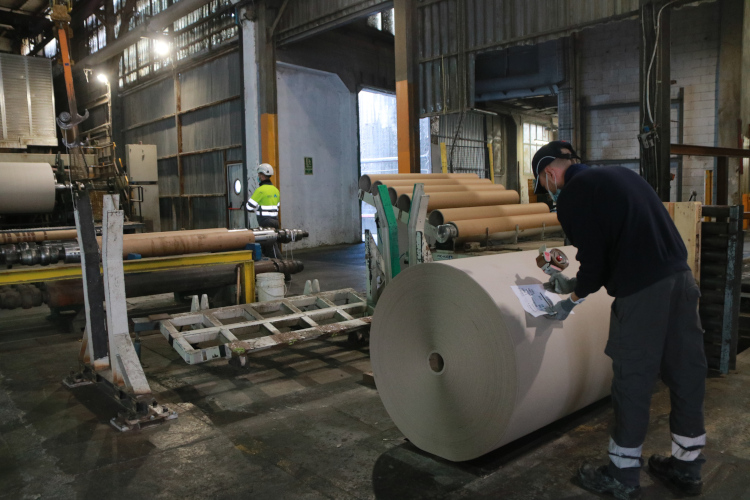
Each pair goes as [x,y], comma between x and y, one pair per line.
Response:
[729,90]
[407,90]
[251,98]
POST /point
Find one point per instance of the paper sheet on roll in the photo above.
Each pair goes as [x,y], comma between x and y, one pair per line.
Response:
[26,188]
[504,373]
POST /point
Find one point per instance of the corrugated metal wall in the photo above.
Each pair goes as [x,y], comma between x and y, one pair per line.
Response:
[302,18]
[193,145]
[27,104]
[452,31]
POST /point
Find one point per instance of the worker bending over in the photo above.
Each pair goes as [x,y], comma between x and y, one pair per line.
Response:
[265,203]
[627,243]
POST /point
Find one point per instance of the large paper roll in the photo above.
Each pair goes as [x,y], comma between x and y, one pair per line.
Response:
[445,215]
[26,188]
[457,200]
[365,182]
[462,369]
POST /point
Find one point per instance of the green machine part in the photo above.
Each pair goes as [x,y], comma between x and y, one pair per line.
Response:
[392,229]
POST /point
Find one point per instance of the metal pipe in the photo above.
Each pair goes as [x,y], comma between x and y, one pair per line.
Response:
[69,293]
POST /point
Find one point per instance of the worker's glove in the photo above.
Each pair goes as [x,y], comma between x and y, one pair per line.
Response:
[559,283]
[562,309]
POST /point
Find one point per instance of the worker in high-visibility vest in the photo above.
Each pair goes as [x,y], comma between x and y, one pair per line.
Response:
[265,203]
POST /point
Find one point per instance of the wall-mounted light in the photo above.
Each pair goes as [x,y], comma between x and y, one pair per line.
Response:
[102,78]
[161,47]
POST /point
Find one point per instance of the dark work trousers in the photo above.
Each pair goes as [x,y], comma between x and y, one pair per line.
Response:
[272,249]
[657,332]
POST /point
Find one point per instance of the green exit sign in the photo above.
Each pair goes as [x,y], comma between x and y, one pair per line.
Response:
[308,166]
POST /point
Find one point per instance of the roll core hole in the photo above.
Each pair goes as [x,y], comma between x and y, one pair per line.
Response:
[436,362]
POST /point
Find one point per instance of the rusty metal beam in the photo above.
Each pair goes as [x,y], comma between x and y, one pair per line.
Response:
[691,150]
[407,98]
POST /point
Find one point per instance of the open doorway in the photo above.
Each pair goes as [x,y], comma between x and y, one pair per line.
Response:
[523,87]
[378,143]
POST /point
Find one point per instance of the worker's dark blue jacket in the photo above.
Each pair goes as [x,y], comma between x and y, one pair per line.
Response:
[624,236]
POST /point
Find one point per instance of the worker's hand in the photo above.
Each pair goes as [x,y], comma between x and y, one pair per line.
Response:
[559,283]
[562,309]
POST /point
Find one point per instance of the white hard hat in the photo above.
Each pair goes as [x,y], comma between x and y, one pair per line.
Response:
[265,169]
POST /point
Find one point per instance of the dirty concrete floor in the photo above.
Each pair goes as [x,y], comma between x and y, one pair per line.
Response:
[298,424]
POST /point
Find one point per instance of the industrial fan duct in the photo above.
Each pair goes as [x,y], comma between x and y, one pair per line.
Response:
[462,369]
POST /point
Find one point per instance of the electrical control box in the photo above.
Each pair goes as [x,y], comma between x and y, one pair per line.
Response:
[143,174]
[140,163]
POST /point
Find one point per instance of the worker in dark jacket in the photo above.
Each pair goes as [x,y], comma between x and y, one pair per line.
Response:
[628,244]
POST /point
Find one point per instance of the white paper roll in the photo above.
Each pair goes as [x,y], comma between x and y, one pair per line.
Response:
[462,369]
[26,188]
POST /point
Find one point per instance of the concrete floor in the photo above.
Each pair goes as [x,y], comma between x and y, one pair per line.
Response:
[298,424]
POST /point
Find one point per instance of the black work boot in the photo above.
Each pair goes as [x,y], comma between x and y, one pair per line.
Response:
[668,469]
[599,480]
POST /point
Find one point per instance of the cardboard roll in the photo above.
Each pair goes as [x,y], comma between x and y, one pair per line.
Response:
[468,181]
[466,199]
[445,215]
[395,191]
[366,181]
[480,229]
[462,369]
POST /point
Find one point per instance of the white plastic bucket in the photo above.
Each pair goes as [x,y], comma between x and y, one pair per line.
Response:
[270,286]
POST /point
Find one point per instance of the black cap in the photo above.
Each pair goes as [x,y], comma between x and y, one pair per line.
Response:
[546,155]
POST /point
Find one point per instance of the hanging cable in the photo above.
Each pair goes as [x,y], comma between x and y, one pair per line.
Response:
[653,57]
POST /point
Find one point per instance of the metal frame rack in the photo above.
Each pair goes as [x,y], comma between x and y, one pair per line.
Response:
[262,325]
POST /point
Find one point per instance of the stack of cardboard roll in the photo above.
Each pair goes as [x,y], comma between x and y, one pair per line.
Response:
[476,208]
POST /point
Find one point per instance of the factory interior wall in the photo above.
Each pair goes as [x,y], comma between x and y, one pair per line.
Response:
[728,92]
[318,120]
[609,73]
[745,95]
[361,57]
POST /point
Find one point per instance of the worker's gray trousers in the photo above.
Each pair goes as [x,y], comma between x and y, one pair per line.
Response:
[657,332]
[270,250]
